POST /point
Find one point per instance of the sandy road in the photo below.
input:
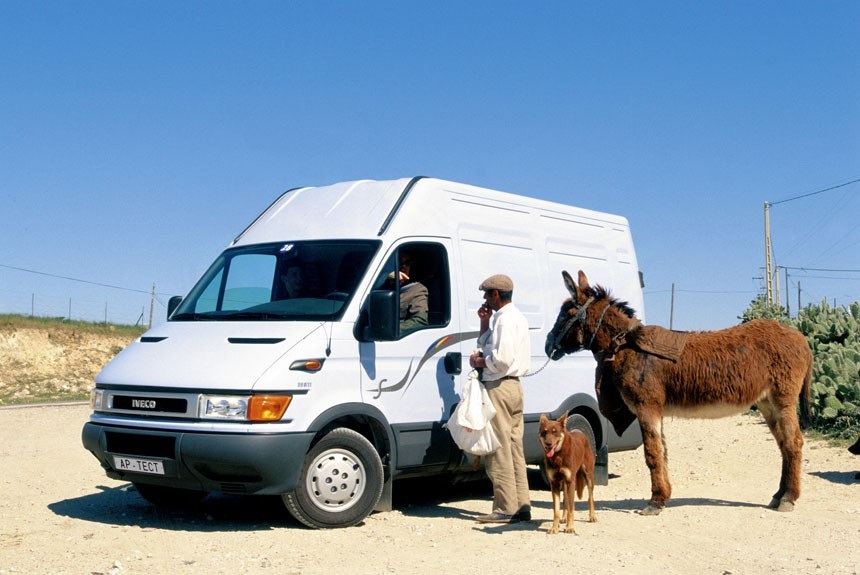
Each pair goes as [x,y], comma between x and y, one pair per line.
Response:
[60,514]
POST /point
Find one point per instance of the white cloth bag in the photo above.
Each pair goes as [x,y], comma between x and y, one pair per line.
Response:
[470,423]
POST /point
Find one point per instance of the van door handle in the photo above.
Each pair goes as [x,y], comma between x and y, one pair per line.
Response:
[453,363]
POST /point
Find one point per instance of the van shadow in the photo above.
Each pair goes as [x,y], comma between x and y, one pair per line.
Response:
[419,497]
[123,506]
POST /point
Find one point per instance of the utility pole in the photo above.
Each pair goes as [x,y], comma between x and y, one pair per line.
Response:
[798,297]
[787,296]
[672,307]
[777,296]
[151,304]
[768,264]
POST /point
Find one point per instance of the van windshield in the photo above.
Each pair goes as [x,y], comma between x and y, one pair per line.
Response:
[307,280]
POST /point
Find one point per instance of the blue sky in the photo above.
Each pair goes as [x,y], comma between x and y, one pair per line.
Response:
[138,138]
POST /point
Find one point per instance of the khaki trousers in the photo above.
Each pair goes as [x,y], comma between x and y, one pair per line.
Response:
[506,467]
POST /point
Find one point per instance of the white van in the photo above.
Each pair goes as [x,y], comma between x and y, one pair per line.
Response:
[320,396]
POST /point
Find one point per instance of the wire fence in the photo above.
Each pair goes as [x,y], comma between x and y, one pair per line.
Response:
[119,309]
[37,293]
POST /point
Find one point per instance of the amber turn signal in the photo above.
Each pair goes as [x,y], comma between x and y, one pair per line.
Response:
[268,407]
[307,365]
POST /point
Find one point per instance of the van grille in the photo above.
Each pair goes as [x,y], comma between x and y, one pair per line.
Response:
[153,403]
[150,403]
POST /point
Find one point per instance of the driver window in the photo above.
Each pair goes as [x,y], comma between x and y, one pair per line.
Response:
[418,273]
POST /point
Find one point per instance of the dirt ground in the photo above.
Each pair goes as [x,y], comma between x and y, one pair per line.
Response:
[60,514]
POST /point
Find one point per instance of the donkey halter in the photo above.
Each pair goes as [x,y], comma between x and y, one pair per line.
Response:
[579,317]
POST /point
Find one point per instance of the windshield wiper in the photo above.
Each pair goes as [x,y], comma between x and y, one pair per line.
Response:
[241,315]
[190,316]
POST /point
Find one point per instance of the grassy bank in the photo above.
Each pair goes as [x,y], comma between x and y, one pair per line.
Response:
[53,359]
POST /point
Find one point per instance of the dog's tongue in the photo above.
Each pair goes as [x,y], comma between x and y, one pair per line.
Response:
[551,452]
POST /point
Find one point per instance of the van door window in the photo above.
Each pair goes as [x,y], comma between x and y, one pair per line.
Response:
[417,274]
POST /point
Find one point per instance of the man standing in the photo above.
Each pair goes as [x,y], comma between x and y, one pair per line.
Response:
[504,356]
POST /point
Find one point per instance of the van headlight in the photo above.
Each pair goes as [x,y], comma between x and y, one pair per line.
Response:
[244,407]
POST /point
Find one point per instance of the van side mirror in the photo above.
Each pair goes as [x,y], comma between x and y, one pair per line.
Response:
[172,304]
[383,316]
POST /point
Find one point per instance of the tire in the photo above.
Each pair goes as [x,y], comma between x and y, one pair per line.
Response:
[162,496]
[340,482]
[575,422]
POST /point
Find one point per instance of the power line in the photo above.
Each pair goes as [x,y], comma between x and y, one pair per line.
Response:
[820,270]
[768,248]
[712,292]
[815,192]
[74,279]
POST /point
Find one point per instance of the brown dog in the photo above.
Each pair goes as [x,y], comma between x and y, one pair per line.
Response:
[569,466]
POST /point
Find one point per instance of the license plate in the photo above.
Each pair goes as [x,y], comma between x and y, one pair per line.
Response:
[135,465]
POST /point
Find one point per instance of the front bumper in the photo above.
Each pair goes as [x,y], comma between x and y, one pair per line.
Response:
[260,463]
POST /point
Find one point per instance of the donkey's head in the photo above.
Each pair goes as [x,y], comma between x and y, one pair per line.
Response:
[580,323]
[568,333]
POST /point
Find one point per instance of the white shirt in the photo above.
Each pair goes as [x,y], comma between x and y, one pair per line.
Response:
[506,345]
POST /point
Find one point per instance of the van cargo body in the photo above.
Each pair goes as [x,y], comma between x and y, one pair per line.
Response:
[322,393]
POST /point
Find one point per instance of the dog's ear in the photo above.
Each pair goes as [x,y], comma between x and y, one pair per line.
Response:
[563,419]
[543,418]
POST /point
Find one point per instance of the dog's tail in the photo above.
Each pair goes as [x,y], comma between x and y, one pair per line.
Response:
[580,482]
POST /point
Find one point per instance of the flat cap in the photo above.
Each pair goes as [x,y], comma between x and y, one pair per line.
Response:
[500,282]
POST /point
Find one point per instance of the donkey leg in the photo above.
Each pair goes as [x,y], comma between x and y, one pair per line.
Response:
[654,447]
[784,426]
[791,448]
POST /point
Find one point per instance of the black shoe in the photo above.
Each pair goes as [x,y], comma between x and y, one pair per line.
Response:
[524,515]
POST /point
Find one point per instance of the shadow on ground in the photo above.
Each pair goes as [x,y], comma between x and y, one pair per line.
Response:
[420,497]
[842,477]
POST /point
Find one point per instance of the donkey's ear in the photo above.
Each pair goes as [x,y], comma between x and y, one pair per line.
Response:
[583,282]
[569,284]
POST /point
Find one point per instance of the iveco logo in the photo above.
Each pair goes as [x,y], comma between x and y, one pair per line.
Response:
[143,403]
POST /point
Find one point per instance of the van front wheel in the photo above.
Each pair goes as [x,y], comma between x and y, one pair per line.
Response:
[340,482]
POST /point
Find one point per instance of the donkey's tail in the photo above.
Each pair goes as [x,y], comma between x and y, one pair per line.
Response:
[805,412]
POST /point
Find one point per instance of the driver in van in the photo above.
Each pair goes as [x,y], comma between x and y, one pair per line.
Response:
[300,281]
[413,295]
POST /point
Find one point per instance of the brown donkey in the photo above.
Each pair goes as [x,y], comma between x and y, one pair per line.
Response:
[647,372]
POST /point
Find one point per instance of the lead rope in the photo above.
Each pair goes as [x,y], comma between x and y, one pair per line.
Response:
[567,328]
[539,370]
[596,329]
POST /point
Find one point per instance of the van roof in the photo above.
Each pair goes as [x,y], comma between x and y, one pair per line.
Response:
[371,208]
